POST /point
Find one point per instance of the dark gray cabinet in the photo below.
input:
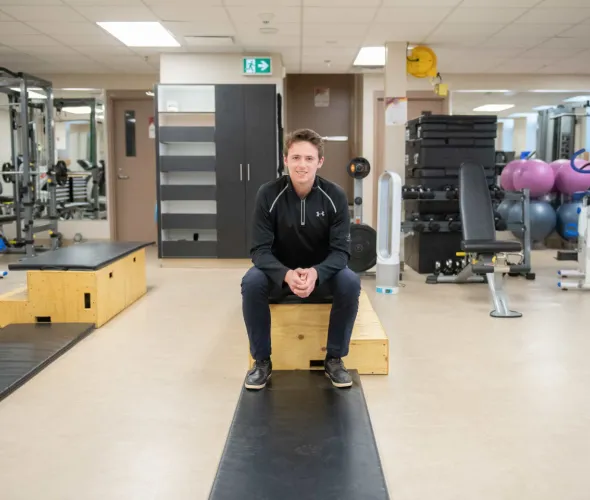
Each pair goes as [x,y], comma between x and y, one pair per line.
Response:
[216,145]
[246,152]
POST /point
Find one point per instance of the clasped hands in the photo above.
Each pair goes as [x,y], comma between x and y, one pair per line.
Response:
[301,281]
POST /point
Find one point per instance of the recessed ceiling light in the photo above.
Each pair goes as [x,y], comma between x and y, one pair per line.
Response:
[494,107]
[140,34]
[481,91]
[523,115]
[370,56]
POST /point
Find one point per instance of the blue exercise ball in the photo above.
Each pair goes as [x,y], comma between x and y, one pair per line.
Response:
[567,218]
[504,207]
[543,219]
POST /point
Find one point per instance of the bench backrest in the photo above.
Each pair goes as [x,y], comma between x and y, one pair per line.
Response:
[475,202]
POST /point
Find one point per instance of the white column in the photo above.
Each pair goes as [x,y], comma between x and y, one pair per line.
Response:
[395,86]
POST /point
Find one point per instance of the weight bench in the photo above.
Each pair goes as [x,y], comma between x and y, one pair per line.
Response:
[87,283]
[486,256]
[299,332]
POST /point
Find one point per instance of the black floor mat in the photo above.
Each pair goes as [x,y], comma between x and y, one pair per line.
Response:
[301,438]
[26,349]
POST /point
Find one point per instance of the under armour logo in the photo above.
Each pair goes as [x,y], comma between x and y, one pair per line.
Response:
[318,214]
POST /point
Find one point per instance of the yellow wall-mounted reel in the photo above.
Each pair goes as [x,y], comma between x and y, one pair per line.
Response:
[421,62]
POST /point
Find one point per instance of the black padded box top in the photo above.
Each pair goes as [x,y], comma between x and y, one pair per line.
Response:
[83,257]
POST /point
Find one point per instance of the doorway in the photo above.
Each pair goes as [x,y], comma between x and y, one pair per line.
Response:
[134,172]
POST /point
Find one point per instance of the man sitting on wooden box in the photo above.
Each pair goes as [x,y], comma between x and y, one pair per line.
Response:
[301,247]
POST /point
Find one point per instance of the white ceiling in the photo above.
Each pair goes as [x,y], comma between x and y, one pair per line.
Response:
[469,36]
[463,103]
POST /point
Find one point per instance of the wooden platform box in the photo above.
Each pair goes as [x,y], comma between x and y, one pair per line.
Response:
[77,296]
[299,333]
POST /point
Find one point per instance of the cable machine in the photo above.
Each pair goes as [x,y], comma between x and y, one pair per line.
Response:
[30,103]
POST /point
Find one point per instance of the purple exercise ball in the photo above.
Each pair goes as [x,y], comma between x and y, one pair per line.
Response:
[568,181]
[535,175]
[507,176]
[556,165]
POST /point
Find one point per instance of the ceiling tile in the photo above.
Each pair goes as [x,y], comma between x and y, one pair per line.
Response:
[549,54]
[500,3]
[452,31]
[563,3]
[43,13]
[251,15]
[50,50]
[474,66]
[561,43]
[183,13]
[533,30]
[336,30]
[193,3]
[517,43]
[200,28]
[284,29]
[555,15]
[580,32]
[117,14]
[379,33]
[27,40]
[31,2]
[5,17]
[104,49]
[75,40]
[334,54]
[56,28]
[410,15]
[324,15]
[16,28]
[519,67]
[120,3]
[565,67]
[339,3]
[420,3]
[322,42]
[266,41]
[484,15]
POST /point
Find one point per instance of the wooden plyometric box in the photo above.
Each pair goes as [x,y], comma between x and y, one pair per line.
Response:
[93,296]
[299,334]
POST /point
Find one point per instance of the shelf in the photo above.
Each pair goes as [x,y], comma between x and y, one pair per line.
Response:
[188,249]
[187,134]
[189,221]
[184,192]
[187,163]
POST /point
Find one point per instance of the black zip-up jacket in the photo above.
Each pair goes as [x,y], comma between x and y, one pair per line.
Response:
[289,232]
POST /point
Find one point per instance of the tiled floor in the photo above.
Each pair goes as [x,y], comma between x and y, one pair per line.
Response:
[474,407]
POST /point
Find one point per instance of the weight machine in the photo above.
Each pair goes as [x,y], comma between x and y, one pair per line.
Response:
[29,98]
[556,132]
[581,275]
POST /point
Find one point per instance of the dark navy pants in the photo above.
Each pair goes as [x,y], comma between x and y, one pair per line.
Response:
[257,290]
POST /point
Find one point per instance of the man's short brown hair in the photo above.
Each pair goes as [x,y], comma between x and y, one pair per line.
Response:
[305,135]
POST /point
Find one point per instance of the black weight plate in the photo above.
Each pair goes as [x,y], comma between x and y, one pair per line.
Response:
[7,167]
[358,168]
[363,248]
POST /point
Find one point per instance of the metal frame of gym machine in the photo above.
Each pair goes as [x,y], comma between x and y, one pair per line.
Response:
[91,102]
[17,86]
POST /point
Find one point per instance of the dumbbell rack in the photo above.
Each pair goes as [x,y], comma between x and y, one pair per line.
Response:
[424,226]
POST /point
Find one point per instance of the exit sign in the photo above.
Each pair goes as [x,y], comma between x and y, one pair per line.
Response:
[257,65]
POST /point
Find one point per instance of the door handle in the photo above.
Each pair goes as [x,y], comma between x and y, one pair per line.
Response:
[248,172]
[241,172]
[123,177]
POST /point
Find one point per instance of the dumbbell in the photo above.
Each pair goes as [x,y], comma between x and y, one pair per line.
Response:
[419,226]
[410,193]
[448,268]
[450,192]
[499,222]
[497,192]
[437,268]
[425,193]
[454,222]
[433,225]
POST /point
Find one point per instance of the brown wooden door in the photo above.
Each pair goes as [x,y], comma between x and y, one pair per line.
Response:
[135,171]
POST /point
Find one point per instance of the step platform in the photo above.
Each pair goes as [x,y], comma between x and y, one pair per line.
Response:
[87,283]
[26,349]
[301,438]
[299,333]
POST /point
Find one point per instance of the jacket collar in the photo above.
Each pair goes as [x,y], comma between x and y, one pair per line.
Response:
[313,188]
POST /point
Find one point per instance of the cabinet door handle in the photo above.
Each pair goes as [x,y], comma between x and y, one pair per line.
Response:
[240,172]
[248,172]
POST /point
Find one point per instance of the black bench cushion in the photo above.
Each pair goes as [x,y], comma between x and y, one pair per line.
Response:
[475,204]
[6,219]
[89,256]
[491,246]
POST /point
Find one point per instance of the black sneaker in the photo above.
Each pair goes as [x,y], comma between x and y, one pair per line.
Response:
[337,373]
[259,374]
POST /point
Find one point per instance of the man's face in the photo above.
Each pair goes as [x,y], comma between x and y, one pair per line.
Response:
[302,161]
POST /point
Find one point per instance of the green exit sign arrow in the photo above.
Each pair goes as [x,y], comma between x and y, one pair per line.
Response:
[257,65]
